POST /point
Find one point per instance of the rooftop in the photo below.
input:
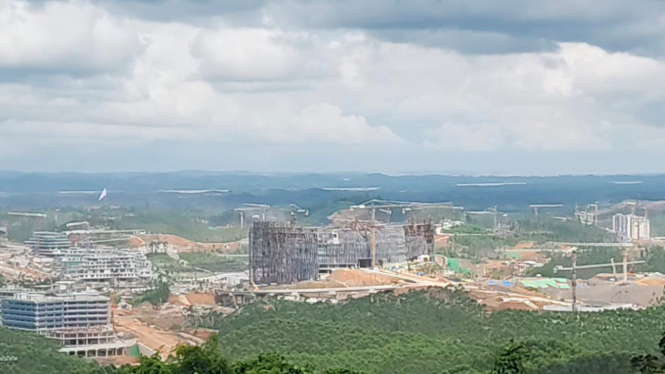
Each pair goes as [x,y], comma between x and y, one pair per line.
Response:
[43,298]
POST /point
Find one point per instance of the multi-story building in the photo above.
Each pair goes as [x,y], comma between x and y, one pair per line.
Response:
[103,265]
[80,322]
[631,227]
[48,244]
[40,312]
[284,253]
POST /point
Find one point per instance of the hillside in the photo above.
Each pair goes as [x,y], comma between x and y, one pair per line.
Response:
[36,355]
[438,332]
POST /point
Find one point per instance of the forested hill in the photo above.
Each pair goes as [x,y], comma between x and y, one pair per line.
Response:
[26,353]
[157,190]
[438,332]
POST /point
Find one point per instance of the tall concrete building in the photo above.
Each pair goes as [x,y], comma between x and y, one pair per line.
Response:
[48,244]
[631,227]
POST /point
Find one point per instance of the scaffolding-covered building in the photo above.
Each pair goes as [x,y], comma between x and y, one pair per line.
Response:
[283,253]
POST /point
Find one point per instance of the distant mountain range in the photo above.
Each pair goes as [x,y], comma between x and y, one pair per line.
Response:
[18,189]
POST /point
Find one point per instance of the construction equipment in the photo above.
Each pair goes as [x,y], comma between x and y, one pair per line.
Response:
[32,215]
[535,207]
[385,206]
[573,269]
[297,210]
[491,210]
[251,207]
[37,216]
[595,212]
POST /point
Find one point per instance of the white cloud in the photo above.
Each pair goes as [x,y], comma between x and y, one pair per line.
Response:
[254,54]
[130,81]
[74,37]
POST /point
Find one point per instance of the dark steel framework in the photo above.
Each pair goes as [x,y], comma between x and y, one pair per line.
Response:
[283,253]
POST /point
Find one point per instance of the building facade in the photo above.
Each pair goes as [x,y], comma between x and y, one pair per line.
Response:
[48,244]
[40,312]
[631,227]
[103,265]
[81,323]
[283,253]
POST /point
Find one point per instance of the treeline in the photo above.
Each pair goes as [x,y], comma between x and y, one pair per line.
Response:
[438,331]
[486,245]
[207,359]
[585,256]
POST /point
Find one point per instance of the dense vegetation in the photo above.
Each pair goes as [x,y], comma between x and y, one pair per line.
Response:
[215,262]
[585,256]
[655,260]
[189,226]
[34,354]
[166,264]
[27,353]
[476,242]
[438,332]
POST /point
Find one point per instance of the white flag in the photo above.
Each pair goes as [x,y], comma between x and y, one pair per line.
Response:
[102,195]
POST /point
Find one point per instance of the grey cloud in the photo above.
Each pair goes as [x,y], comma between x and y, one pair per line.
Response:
[466,41]
[481,25]
[194,11]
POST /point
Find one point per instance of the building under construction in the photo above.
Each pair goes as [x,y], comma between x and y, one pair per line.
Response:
[283,253]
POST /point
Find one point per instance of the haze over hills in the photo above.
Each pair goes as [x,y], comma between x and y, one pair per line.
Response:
[509,193]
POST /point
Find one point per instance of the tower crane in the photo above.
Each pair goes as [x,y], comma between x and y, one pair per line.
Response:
[251,207]
[595,212]
[491,210]
[295,209]
[573,269]
[535,207]
[386,206]
[37,216]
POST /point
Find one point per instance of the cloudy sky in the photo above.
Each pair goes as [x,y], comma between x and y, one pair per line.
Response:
[398,86]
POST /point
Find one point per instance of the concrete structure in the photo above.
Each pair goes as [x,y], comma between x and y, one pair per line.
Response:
[283,253]
[40,312]
[48,243]
[81,322]
[103,265]
[586,217]
[631,227]
[98,341]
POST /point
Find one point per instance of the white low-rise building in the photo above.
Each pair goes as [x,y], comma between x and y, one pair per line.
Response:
[103,265]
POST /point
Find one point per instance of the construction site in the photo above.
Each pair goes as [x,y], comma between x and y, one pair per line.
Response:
[356,255]
[283,253]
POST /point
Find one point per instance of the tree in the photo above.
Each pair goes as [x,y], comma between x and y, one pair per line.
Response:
[509,360]
[646,364]
[205,359]
[270,364]
[650,364]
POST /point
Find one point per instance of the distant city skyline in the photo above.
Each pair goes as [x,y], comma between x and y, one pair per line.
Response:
[399,87]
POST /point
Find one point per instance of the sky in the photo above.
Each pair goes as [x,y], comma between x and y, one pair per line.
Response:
[520,87]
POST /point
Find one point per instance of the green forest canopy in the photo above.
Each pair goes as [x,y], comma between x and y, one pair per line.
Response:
[438,331]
